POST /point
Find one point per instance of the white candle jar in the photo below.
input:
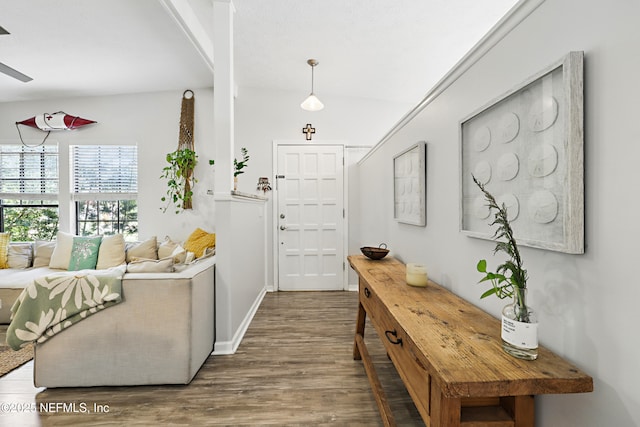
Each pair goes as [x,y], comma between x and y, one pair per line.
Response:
[416,275]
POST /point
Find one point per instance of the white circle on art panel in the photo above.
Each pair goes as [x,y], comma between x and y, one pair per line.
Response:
[481,208]
[415,186]
[543,207]
[415,208]
[408,167]
[508,127]
[482,172]
[543,114]
[482,138]
[512,204]
[508,166]
[400,187]
[543,160]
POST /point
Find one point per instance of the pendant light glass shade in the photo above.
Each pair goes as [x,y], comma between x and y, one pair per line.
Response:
[312,103]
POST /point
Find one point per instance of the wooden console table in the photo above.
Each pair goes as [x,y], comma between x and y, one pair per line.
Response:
[449,354]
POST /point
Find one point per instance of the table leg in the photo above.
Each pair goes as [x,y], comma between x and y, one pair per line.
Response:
[445,411]
[521,409]
[362,316]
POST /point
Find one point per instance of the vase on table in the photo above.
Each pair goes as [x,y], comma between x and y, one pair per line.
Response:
[520,327]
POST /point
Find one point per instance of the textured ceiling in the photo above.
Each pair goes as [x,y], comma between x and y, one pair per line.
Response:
[394,50]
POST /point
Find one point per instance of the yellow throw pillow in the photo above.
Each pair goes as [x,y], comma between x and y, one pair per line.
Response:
[4,250]
[200,240]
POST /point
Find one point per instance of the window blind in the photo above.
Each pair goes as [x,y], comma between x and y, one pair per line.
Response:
[29,173]
[104,172]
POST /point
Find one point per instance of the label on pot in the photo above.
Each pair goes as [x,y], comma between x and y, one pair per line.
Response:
[520,334]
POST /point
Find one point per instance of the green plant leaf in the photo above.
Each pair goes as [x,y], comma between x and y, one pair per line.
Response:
[482,266]
[489,292]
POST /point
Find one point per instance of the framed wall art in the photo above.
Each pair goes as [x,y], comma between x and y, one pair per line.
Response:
[409,185]
[526,146]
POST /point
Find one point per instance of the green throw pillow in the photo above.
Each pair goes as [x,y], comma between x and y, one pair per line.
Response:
[84,253]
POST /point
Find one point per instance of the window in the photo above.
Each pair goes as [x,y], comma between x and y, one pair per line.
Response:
[29,191]
[105,189]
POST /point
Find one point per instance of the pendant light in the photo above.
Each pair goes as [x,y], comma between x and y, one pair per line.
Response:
[312,103]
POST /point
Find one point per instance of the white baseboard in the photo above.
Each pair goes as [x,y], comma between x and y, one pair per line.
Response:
[353,287]
[230,347]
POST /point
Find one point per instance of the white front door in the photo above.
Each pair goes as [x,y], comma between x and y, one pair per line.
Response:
[310,217]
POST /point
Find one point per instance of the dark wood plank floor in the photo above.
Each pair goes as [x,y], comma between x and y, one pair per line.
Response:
[294,367]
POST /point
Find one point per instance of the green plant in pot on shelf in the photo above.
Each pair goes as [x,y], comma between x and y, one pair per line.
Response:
[180,179]
[519,323]
[237,166]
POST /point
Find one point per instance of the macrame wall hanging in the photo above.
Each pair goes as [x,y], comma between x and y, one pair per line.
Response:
[185,141]
[182,161]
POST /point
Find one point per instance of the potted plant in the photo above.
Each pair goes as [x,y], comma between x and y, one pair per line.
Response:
[519,324]
[237,166]
[180,179]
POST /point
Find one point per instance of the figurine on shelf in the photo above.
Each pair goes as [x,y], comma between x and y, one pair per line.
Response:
[263,184]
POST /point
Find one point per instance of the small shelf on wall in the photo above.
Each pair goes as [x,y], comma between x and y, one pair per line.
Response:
[239,194]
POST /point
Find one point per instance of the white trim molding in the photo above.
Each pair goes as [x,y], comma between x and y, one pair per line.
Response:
[512,19]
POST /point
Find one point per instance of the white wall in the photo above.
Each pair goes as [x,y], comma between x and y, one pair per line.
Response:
[263,116]
[587,303]
[149,120]
[240,269]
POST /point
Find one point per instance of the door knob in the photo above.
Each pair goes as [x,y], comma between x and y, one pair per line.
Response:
[282,227]
[282,216]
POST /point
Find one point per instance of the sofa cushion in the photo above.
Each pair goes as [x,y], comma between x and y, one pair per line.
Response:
[112,252]
[199,241]
[20,255]
[62,252]
[147,249]
[169,248]
[140,265]
[42,251]
[84,253]
[4,249]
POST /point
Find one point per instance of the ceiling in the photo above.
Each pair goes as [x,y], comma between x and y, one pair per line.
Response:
[389,50]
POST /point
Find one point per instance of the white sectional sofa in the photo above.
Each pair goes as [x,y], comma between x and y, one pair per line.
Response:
[161,333]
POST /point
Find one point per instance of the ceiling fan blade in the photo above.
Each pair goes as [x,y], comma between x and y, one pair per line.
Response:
[14,73]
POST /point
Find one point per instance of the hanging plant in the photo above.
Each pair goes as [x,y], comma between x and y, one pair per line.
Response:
[180,179]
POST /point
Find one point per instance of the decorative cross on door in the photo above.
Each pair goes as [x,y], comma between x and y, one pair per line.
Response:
[309,131]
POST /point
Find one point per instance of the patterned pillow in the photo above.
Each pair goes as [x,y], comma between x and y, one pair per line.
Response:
[84,253]
[4,249]
[200,240]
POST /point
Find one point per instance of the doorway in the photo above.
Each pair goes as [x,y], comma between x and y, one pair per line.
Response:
[310,217]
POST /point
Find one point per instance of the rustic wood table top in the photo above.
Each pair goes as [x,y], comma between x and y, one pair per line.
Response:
[460,344]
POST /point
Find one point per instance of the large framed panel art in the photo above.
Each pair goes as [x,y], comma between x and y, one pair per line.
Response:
[409,180]
[527,148]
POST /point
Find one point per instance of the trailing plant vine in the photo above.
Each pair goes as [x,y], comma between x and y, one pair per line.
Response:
[180,179]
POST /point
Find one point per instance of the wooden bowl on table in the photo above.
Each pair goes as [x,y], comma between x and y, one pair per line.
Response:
[375,253]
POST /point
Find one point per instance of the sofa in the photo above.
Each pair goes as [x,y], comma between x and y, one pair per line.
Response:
[161,332]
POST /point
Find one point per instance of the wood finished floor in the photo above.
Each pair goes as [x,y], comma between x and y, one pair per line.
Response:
[294,367]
